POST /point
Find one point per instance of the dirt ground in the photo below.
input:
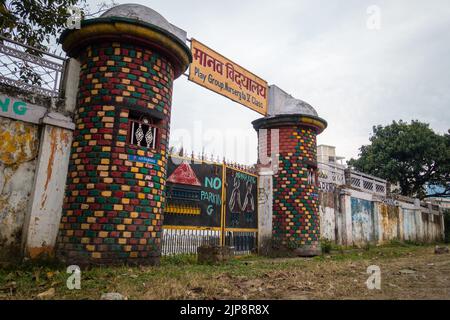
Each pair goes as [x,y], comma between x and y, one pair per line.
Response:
[407,272]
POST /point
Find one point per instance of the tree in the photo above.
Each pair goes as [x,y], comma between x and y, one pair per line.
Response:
[412,155]
[38,22]
[34,22]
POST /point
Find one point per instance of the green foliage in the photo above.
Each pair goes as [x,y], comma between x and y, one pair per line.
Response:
[412,155]
[326,246]
[179,259]
[34,23]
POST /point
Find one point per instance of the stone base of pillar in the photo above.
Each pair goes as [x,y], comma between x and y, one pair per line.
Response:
[308,251]
[84,261]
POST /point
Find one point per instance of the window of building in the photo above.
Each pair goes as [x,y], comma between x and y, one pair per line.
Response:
[143,131]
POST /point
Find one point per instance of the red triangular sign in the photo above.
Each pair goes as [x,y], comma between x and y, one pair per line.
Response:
[184,174]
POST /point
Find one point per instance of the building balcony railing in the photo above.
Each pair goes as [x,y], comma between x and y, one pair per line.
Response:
[29,68]
[334,175]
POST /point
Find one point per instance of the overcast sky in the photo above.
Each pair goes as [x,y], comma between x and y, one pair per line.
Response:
[320,51]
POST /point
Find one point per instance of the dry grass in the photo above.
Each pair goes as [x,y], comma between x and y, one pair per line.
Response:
[340,275]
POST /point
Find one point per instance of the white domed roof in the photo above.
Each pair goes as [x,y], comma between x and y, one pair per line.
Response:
[141,13]
[297,106]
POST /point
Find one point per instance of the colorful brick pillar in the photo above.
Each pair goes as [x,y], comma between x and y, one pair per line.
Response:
[295,222]
[113,209]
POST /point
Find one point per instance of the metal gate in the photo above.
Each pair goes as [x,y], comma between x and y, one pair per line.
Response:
[209,203]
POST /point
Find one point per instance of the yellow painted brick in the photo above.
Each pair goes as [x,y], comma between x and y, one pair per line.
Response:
[84,206]
[96,255]
[141,153]
[134,215]
[99,213]
[125,201]
[141,195]
[123,156]
[91,220]
[103,234]
[122,241]
[108,180]
[141,183]
[85,240]
[133,254]
[107,119]
[127,248]
[127,221]
[104,161]
[139,176]
[90,248]
[118,207]
[106,193]
[120,227]
[127,234]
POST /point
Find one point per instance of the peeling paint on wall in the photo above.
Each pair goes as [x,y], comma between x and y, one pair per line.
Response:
[327,216]
[19,143]
[358,220]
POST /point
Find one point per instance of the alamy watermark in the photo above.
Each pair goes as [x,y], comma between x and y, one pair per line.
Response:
[74,19]
[374,281]
[74,280]
[374,17]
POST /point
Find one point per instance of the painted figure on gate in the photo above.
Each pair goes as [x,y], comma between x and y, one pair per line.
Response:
[235,204]
[249,203]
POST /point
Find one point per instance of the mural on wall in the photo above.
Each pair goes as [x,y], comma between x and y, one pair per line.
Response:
[363,221]
[195,191]
[241,200]
[194,194]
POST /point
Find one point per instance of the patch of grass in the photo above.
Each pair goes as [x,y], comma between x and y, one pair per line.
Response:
[326,246]
[176,274]
[180,259]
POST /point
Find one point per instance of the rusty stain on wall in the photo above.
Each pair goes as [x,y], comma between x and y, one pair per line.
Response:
[389,221]
[19,144]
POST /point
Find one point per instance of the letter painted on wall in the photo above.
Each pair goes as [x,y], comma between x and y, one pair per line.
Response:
[194,194]
[20,110]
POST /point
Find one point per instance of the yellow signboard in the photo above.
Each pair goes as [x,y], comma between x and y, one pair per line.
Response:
[215,72]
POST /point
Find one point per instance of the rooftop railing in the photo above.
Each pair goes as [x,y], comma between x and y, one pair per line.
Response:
[334,175]
[29,68]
